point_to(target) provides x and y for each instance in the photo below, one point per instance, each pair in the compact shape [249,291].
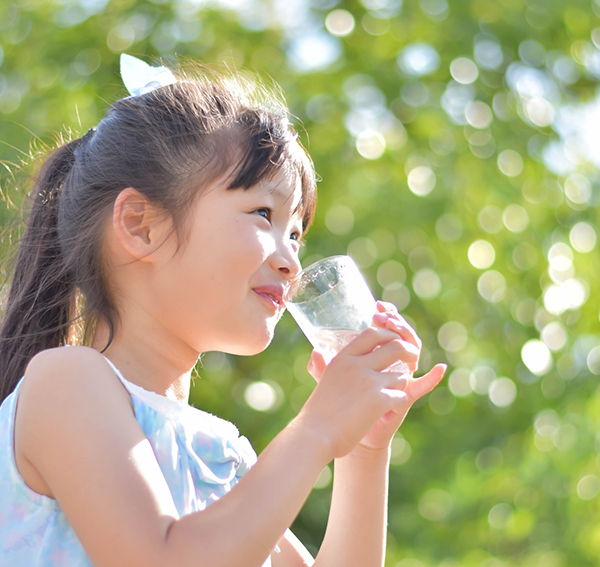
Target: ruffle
[201,456]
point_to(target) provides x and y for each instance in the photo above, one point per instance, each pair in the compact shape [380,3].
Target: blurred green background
[458,144]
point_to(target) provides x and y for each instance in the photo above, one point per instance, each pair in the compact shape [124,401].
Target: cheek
[265,245]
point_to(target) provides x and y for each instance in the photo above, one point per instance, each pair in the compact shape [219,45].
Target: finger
[368,340]
[396,381]
[418,387]
[384,306]
[393,351]
[389,312]
[316,365]
[401,327]
[398,402]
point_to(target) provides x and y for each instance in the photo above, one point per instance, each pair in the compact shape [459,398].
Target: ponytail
[41,301]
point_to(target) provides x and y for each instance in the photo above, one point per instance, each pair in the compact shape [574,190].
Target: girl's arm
[75,427]
[356,530]
[357,525]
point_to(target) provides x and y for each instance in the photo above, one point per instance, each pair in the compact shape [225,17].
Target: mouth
[272,294]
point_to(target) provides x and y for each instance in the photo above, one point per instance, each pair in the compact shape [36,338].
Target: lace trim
[177,410]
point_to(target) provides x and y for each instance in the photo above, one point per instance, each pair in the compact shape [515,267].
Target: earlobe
[136,225]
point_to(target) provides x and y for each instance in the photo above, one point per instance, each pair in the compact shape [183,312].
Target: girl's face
[222,290]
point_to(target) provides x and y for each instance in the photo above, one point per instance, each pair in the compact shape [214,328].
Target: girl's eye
[297,238]
[264,212]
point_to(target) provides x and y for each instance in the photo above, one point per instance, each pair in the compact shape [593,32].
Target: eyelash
[297,236]
[266,210]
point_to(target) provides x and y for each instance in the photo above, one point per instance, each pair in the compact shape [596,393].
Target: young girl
[169,230]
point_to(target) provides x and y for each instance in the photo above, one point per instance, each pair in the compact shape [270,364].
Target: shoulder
[67,384]
[77,368]
[57,377]
[65,358]
[63,382]
[67,396]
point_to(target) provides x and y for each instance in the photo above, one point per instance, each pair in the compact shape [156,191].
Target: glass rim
[310,270]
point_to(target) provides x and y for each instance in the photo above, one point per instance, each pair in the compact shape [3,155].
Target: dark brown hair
[167,144]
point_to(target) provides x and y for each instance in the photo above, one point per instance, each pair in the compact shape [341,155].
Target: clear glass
[332,303]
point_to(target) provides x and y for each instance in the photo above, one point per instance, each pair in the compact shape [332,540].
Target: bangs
[266,156]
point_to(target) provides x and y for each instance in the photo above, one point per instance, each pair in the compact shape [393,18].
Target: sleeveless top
[201,457]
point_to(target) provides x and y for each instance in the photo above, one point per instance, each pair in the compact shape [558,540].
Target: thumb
[418,387]
[316,365]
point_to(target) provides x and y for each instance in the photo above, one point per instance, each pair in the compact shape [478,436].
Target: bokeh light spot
[481,379]
[427,284]
[488,53]
[339,23]
[479,115]
[261,396]
[554,335]
[418,58]
[583,237]
[588,487]
[515,218]
[391,272]
[593,360]
[363,251]
[578,189]
[510,163]
[421,180]
[490,219]
[537,357]
[370,144]
[499,516]
[481,254]
[502,392]
[324,478]
[491,286]
[397,294]
[539,111]
[569,295]
[460,382]
[464,70]
[401,450]
[452,336]
[525,256]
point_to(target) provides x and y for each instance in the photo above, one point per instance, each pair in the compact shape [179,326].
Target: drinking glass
[332,303]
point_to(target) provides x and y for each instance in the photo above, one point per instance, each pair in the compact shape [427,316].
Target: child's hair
[167,144]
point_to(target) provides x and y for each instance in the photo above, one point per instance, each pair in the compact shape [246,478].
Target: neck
[153,360]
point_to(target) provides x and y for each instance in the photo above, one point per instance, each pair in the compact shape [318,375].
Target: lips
[271,293]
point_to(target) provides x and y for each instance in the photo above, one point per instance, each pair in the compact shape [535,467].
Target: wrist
[315,437]
[365,453]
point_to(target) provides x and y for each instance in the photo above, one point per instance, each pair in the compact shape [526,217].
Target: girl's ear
[138,226]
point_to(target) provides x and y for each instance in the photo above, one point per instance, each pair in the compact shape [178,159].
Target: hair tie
[140,78]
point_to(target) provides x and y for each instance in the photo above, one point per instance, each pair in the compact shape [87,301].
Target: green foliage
[439,180]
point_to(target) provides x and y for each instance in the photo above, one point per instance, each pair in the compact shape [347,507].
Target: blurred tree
[458,147]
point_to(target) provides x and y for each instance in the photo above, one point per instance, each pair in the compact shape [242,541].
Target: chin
[258,343]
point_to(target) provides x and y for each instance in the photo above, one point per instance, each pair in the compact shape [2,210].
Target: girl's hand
[354,391]
[381,434]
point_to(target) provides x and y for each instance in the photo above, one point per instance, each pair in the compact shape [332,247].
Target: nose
[286,261]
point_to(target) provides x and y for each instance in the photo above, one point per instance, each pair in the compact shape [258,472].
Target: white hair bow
[140,78]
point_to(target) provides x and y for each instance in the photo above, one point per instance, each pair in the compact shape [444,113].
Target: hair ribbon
[140,78]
